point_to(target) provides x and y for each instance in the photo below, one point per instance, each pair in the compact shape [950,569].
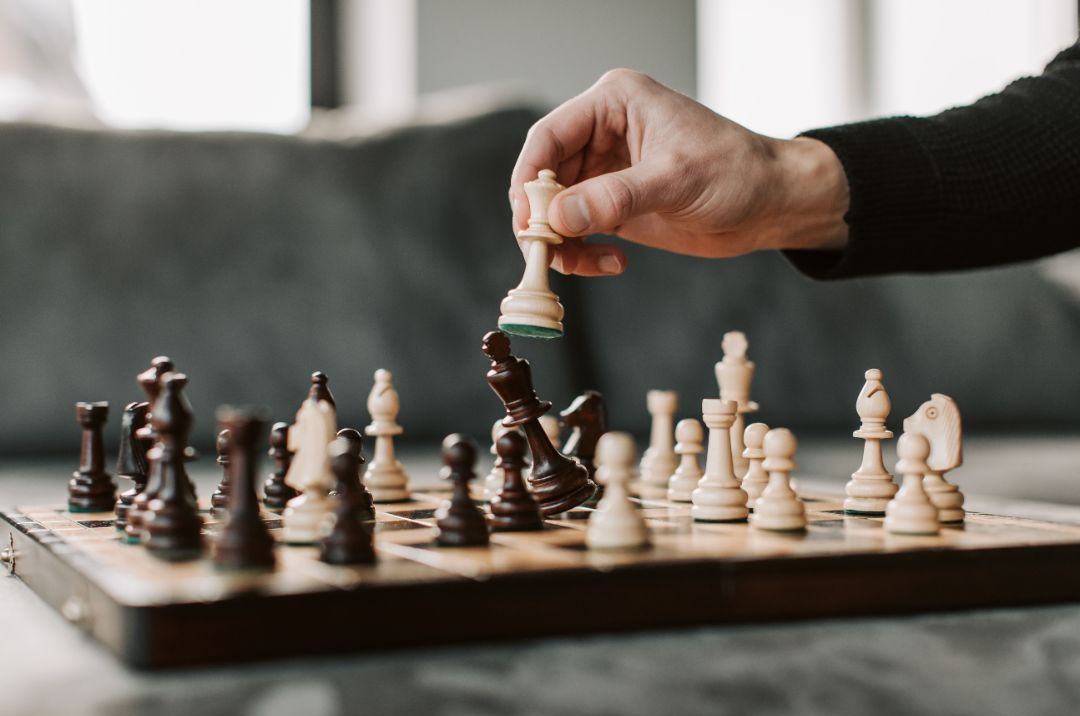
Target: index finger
[560,135]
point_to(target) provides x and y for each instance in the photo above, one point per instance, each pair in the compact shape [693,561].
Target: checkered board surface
[90,544]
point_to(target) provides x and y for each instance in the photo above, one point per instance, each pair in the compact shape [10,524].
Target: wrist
[812,197]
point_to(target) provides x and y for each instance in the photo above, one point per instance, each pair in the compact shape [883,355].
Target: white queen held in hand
[532,308]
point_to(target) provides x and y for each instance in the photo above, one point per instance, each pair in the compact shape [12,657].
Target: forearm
[990,183]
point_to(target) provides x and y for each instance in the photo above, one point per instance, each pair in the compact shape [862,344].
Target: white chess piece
[659,460]
[734,374]
[756,478]
[550,424]
[911,512]
[494,480]
[307,516]
[939,420]
[532,309]
[690,438]
[385,476]
[616,523]
[779,508]
[718,497]
[871,486]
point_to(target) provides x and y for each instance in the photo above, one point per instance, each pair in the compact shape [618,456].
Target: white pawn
[734,374]
[779,508]
[911,512]
[756,478]
[690,438]
[659,460]
[616,523]
[550,424]
[718,497]
[494,480]
[871,486]
[385,476]
[307,515]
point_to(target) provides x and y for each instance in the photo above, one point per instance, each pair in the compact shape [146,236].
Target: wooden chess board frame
[154,614]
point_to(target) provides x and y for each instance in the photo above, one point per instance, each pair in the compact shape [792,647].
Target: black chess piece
[131,461]
[244,541]
[276,493]
[91,489]
[558,482]
[356,444]
[350,538]
[514,509]
[150,382]
[219,500]
[173,528]
[459,521]
[319,388]
[586,417]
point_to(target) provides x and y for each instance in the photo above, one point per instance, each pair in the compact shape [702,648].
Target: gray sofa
[254,260]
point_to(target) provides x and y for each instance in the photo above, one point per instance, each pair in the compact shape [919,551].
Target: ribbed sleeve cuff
[895,210]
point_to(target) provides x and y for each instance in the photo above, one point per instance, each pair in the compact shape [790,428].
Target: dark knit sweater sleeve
[994,182]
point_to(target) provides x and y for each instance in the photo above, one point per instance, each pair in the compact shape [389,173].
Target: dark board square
[416,514]
[395,525]
[97,523]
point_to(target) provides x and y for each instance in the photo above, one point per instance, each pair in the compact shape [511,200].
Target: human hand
[653,166]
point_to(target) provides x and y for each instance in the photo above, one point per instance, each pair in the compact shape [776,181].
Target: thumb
[601,204]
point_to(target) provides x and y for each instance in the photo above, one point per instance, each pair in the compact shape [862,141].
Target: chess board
[155,614]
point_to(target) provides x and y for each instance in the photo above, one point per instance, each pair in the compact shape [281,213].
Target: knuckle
[619,197]
[624,76]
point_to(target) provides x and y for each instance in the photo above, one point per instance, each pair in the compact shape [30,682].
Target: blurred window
[196,64]
[781,66]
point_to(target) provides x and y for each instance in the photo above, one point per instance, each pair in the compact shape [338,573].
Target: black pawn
[350,539]
[459,521]
[514,509]
[319,388]
[356,444]
[150,382]
[244,542]
[131,462]
[173,527]
[277,493]
[219,500]
[91,489]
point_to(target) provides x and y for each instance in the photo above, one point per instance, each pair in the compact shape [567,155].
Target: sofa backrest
[254,260]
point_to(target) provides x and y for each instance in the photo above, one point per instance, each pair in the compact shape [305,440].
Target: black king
[558,482]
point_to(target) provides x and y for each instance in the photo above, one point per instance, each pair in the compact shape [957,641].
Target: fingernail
[575,214]
[609,263]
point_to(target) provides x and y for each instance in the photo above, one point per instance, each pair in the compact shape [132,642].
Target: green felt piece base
[76,508]
[856,513]
[520,329]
